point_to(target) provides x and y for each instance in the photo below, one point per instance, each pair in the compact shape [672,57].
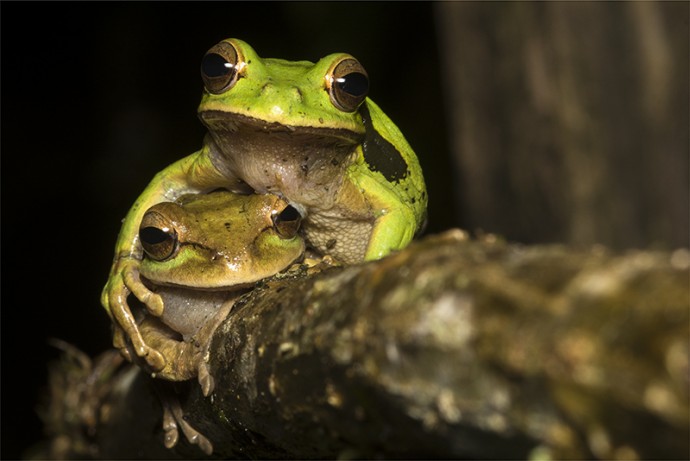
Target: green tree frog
[199,254]
[304,131]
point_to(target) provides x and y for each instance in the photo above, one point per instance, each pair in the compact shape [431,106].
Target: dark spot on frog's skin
[331,244]
[284,160]
[380,154]
[335,162]
[227,225]
[320,120]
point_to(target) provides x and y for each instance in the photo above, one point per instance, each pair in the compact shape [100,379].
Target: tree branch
[450,348]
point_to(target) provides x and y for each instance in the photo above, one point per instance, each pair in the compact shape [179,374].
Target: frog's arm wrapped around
[191,174]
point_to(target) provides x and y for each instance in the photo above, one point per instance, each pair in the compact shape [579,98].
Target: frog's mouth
[219,121]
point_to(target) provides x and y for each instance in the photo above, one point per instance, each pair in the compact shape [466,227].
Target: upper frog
[304,131]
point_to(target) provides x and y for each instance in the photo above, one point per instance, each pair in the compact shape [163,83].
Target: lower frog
[201,253]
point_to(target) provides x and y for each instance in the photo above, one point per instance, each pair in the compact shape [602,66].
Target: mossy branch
[451,348]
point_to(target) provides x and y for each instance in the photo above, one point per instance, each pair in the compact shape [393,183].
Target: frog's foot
[173,418]
[312,263]
[153,358]
[129,329]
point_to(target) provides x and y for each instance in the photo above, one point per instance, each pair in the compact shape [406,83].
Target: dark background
[98,97]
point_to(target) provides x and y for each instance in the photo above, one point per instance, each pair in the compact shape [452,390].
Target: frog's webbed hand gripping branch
[191,174]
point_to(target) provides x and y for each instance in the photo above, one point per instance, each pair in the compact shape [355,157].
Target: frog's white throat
[305,165]
[187,310]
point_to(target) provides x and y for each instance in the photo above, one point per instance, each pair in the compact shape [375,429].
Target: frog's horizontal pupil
[350,85]
[287,222]
[214,65]
[354,83]
[290,213]
[153,235]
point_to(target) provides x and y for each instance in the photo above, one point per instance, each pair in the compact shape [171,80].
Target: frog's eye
[349,85]
[158,237]
[220,68]
[287,222]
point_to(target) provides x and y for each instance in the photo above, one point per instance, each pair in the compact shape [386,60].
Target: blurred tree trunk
[570,120]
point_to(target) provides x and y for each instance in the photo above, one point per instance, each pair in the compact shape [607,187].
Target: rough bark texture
[451,348]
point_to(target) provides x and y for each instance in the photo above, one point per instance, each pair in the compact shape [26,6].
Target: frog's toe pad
[195,437]
[171,437]
[154,359]
[170,428]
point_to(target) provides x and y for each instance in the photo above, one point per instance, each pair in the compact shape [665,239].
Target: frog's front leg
[194,173]
[125,323]
[392,231]
[395,223]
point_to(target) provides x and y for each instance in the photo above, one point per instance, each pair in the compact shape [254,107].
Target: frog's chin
[219,121]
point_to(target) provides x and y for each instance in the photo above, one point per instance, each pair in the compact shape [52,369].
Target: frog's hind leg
[173,420]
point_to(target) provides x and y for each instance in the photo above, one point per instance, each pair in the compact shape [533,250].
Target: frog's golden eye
[287,222]
[348,84]
[158,237]
[220,67]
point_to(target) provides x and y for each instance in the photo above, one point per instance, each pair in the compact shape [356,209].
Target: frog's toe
[154,359]
[205,445]
[206,379]
[153,302]
[192,435]
[120,344]
[124,351]
[196,438]
[170,428]
[171,437]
